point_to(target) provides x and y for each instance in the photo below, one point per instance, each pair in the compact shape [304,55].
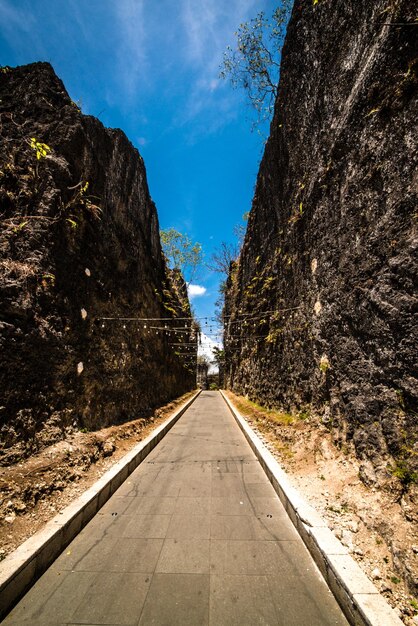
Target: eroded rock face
[72,255]
[326,274]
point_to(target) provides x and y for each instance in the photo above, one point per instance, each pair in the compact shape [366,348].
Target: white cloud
[205,348]
[196,290]
[131,45]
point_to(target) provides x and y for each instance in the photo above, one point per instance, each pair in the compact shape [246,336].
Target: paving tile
[117,505]
[255,476]
[161,488]
[195,535]
[184,557]
[113,598]
[134,555]
[268,506]
[107,525]
[138,482]
[240,601]
[196,488]
[227,485]
[311,608]
[177,599]
[260,490]
[146,526]
[251,528]
[87,553]
[151,505]
[54,598]
[231,506]
[157,487]
[193,506]
[255,558]
[189,527]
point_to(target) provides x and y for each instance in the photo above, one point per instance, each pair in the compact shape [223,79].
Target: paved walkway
[196,535]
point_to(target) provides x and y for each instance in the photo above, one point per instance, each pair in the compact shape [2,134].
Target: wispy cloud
[18,25]
[175,50]
[208,26]
[196,291]
[13,18]
[130,45]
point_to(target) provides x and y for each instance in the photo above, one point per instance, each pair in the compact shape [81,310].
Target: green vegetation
[404,473]
[219,356]
[80,200]
[72,223]
[77,105]
[304,415]
[255,62]
[273,415]
[181,253]
[324,363]
[40,148]
[414,604]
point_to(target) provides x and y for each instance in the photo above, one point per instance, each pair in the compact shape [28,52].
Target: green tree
[182,254]
[219,356]
[254,64]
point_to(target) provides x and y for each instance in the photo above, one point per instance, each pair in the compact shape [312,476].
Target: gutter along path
[196,535]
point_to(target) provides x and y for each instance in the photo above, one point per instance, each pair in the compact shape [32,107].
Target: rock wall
[72,255]
[320,306]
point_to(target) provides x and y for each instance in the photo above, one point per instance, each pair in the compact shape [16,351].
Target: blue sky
[150,67]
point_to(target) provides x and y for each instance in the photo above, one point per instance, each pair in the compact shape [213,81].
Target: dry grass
[252,409]
[17,268]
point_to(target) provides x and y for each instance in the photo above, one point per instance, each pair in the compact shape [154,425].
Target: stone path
[196,535]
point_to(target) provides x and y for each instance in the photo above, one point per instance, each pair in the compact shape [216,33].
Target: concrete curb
[25,565]
[359,599]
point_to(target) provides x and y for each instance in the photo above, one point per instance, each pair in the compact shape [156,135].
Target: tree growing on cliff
[221,259]
[254,64]
[182,253]
[226,253]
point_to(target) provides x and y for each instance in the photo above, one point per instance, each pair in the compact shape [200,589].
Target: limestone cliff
[79,243]
[320,306]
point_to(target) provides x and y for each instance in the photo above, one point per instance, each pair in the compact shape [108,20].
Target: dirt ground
[37,488]
[379,527]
